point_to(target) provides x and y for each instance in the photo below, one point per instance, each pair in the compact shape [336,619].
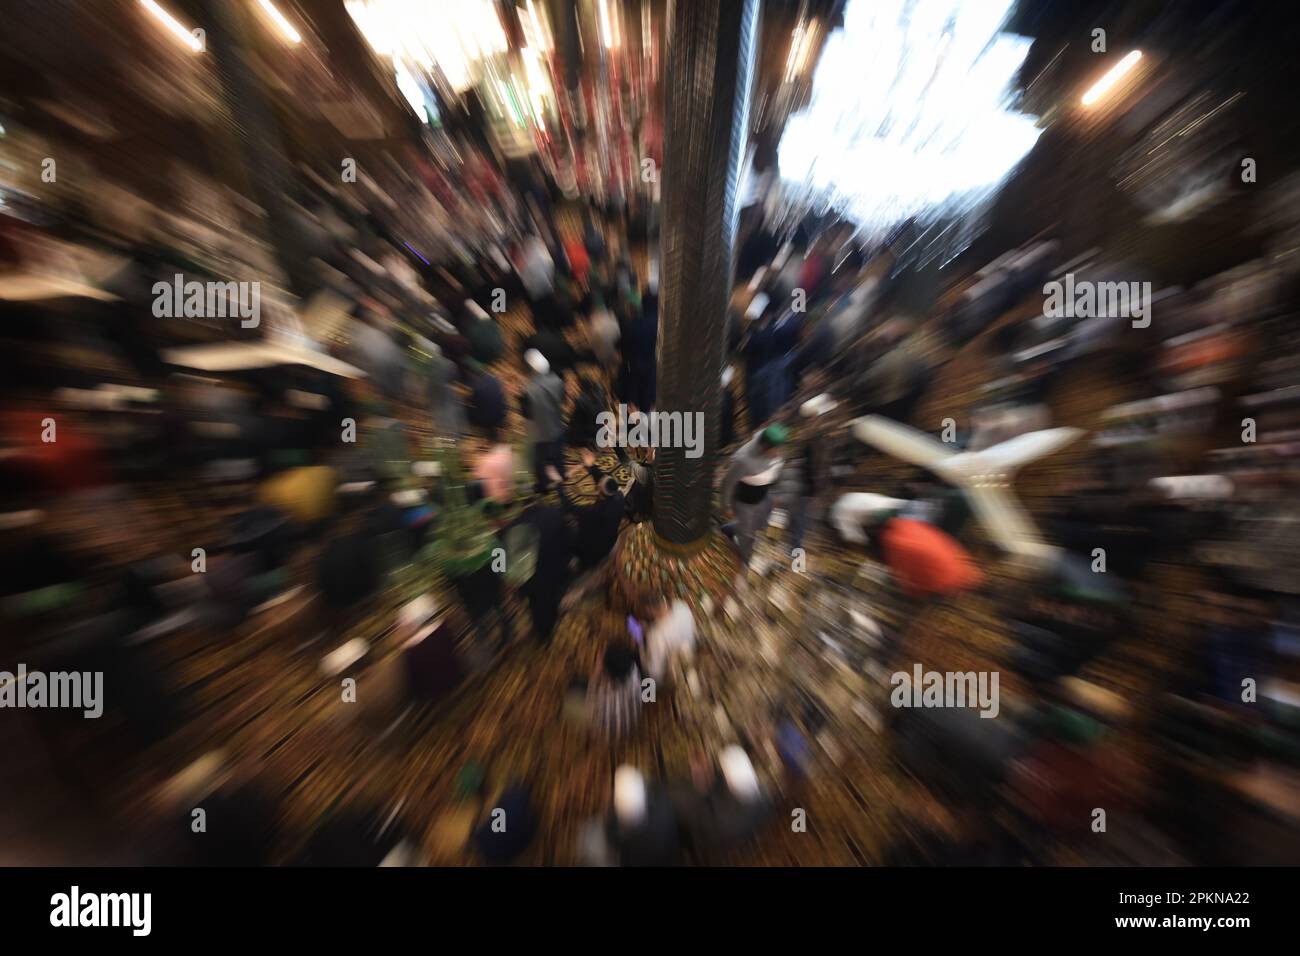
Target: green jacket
[485,342]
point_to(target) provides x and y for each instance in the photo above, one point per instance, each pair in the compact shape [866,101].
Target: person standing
[495,470]
[483,334]
[543,402]
[747,486]
[807,484]
[757,347]
[487,400]
[638,345]
[545,589]
[598,523]
[579,260]
[723,807]
[592,399]
[536,269]
[642,830]
[447,414]
[555,348]
[593,239]
[376,352]
[603,333]
[672,636]
[613,697]
[641,493]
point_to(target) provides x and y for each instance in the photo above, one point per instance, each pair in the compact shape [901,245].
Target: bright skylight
[909,112]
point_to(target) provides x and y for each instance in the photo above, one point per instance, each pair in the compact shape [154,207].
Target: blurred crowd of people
[425,407]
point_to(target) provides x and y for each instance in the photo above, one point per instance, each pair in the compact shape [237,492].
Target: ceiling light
[1113,76]
[174,26]
[290,34]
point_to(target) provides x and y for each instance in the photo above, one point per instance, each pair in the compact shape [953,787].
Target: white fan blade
[1007,523]
[901,441]
[1009,456]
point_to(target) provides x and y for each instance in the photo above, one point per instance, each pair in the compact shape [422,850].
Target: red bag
[926,560]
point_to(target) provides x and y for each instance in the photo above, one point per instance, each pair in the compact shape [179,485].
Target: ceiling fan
[985,476]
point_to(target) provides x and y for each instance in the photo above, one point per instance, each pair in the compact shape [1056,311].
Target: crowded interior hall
[649,433]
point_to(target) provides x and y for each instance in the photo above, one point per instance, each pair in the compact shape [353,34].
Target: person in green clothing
[483,334]
[749,478]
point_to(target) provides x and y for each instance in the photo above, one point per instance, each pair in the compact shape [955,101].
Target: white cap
[757,305]
[476,310]
[818,405]
[738,772]
[629,795]
[537,361]
[652,281]
[728,374]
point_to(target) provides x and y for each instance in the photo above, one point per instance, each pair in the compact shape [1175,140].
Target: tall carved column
[710,68]
[706,90]
[257,134]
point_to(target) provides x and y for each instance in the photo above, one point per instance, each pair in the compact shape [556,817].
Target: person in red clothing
[1074,768]
[816,269]
[925,559]
[579,261]
[50,454]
